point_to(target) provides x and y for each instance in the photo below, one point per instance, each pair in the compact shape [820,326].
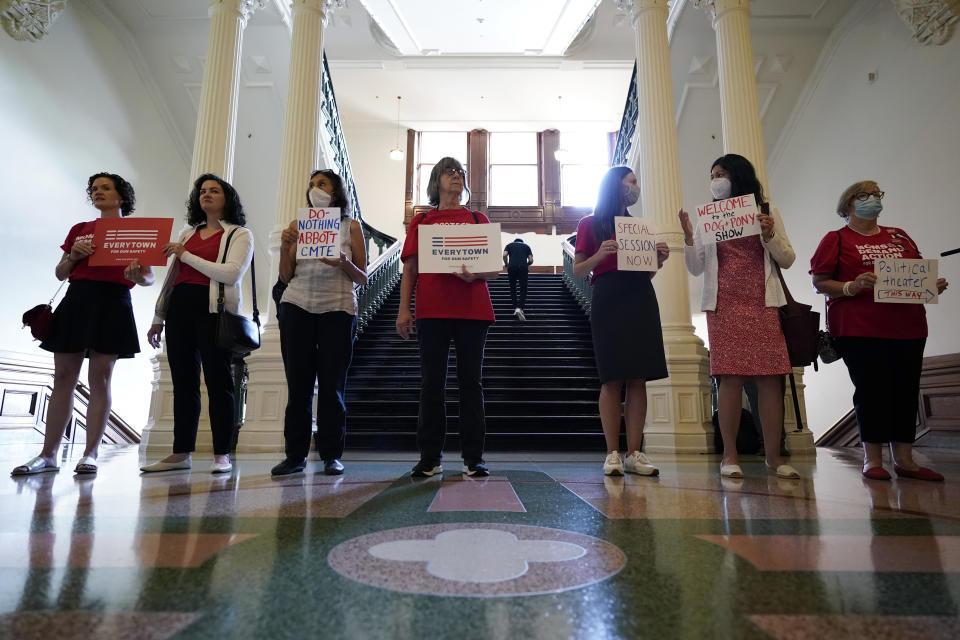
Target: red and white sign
[119,241]
[728,219]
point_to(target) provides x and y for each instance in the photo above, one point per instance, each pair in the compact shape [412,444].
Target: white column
[743,135]
[267,386]
[679,411]
[217,114]
[212,152]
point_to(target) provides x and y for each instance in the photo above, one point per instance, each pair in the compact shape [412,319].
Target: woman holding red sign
[624,321]
[741,295]
[215,250]
[318,324]
[881,344]
[94,321]
[450,307]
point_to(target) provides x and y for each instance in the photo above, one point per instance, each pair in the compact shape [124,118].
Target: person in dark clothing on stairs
[449,307]
[518,257]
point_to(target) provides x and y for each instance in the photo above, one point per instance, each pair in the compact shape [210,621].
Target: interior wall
[71,105]
[900,130]
[380,181]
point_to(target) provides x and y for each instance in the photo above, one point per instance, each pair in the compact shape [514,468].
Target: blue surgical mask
[867,209]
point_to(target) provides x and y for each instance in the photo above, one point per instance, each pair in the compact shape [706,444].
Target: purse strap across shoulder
[253,280]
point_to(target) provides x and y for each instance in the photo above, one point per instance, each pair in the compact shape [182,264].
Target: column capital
[633,8]
[323,7]
[29,20]
[716,8]
[931,21]
[243,8]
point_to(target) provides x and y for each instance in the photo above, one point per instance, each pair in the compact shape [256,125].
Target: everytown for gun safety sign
[447,248]
[120,241]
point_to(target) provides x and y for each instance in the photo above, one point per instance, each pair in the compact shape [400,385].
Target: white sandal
[86,461]
[36,465]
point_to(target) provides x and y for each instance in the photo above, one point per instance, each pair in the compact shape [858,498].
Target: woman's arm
[582,265]
[358,248]
[237,260]
[407,282]
[825,284]
[693,253]
[288,251]
[777,243]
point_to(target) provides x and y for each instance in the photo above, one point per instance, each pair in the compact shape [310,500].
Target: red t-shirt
[859,315]
[82,270]
[444,295]
[207,249]
[588,246]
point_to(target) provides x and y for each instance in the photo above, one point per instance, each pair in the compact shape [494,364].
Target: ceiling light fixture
[397,153]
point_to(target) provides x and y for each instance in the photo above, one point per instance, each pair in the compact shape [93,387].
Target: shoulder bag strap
[253,281]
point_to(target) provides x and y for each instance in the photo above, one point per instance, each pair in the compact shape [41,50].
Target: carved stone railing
[581,288]
[628,124]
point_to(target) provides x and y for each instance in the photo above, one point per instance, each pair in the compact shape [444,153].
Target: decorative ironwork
[628,124]
[29,19]
[580,288]
[383,276]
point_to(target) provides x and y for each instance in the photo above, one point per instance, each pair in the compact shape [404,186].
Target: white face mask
[319,198]
[632,195]
[720,188]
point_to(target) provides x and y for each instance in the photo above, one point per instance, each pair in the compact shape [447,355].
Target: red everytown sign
[119,241]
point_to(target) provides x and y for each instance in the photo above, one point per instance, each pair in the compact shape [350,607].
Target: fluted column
[217,114]
[743,135]
[300,154]
[679,409]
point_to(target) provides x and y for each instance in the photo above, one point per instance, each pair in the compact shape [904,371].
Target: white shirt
[317,287]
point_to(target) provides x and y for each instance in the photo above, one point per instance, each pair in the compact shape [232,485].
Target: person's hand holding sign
[135,272]
[467,276]
[663,252]
[81,249]
[173,248]
[863,282]
[766,226]
[687,227]
[942,285]
[336,262]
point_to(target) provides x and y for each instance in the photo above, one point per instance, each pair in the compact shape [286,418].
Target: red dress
[745,336]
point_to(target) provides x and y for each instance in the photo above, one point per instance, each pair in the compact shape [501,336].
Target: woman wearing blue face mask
[881,344]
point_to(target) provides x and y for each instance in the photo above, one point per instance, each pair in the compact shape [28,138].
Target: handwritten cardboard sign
[119,241]
[318,233]
[447,248]
[636,244]
[728,219]
[905,280]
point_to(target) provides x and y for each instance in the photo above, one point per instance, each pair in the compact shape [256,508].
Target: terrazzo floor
[547,547]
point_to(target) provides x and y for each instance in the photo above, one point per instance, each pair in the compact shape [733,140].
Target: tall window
[514,177]
[433,146]
[585,160]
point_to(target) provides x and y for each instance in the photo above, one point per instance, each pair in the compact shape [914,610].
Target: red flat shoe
[920,473]
[876,473]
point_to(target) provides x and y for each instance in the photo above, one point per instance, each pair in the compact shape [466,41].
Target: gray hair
[433,185]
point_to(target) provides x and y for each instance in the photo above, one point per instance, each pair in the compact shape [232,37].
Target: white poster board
[447,248]
[318,233]
[728,219]
[636,244]
[905,280]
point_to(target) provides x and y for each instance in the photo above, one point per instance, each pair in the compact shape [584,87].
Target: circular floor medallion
[476,559]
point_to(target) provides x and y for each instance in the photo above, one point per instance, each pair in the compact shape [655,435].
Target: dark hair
[339,196]
[433,185]
[232,208]
[743,177]
[609,203]
[128,199]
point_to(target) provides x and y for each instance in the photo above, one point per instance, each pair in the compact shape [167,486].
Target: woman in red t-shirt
[624,321]
[453,307]
[881,344]
[95,321]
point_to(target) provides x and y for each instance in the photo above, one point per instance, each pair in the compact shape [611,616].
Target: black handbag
[801,328]
[825,347]
[236,333]
[40,317]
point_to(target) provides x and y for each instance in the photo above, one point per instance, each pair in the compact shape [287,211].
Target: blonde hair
[848,194]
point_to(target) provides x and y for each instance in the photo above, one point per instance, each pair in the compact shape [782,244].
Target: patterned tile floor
[545,548]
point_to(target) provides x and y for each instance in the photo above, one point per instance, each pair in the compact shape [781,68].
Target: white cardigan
[229,272]
[702,258]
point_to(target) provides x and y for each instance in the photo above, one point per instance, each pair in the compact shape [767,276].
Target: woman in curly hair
[216,249]
[94,321]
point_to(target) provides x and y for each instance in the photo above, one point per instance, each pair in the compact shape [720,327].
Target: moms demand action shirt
[444,295]
[82,270]
[845,254]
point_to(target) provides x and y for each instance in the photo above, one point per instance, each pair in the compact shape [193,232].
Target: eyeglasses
[863,195]
[453,171]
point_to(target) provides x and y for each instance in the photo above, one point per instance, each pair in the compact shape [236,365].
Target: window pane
[580,183]
[514,186]
[586,147]
[439,144]
[513,148]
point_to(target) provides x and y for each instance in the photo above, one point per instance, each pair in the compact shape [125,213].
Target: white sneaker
[637,463]
[517,312]
[521,315]
[613,466]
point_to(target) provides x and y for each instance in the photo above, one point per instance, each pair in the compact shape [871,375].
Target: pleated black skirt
[625,322]
[94,316]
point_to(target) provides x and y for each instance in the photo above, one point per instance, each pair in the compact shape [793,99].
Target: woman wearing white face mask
[741,294]
[318,322]
[624,321]
[881,344]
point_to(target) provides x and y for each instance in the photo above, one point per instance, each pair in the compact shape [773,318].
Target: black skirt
[625,323]
[94,316]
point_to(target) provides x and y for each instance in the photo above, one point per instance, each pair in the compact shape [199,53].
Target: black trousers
[317,350]
[886,379]
[190,344]
[518,287]
[434,336]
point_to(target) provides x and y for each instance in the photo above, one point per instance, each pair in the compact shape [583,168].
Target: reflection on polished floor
[545,548]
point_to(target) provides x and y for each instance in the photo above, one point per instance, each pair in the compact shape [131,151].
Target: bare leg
[635,412]
[730,405]
[770,396]
[98,376]
[610,413]
[66,372]
[872,455]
